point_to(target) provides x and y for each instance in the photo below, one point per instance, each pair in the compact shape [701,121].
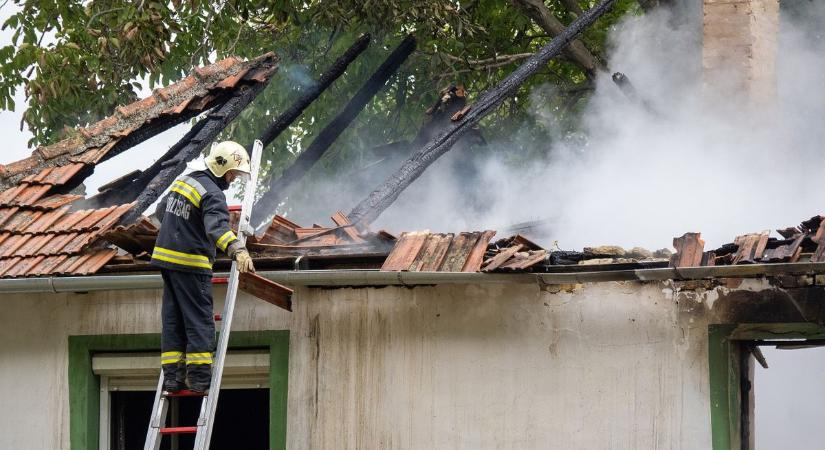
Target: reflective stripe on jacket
[195,224]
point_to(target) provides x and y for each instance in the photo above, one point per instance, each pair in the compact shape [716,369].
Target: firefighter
[195,224]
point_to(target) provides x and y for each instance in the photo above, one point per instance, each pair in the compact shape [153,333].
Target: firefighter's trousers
[188,335]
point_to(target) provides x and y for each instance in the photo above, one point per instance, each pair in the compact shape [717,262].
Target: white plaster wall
[34,352]
[607,366]
[604,366]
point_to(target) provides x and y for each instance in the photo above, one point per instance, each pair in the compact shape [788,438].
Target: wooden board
[266,290]
[341,220]
[502,257]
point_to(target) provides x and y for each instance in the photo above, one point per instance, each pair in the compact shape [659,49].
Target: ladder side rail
[210,402]
[157,418]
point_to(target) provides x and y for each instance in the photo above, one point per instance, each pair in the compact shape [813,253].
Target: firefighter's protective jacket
[195,224]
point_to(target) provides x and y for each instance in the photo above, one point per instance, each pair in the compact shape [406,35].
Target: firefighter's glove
[244,261]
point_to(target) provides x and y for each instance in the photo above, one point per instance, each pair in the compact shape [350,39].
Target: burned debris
[803,243]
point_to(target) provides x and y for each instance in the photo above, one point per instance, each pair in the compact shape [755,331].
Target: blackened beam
[136,184]
[278,187]
[215,122]
[332,73]
[380,199]
[130,188]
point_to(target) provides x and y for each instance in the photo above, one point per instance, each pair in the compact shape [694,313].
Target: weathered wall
[609,365]
[739,47]
[34,352]
[604,365]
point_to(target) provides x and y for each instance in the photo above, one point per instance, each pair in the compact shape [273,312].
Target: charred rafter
[214,123]
[327,136]
[381,198]
[327,78]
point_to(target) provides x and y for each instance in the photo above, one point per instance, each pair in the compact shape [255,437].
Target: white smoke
[702,161]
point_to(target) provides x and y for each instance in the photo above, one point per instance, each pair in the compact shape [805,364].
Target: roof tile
[45,221]
[8,196]
[138,107]
[7,213]
[10,245]
[32,245]
[69,221]
[48,265]
[57,243]
[63,147]
[23,166]
[23,266]
[21,221]
[31,194]
[218,69]
[173,90]
[93,216]
[100,127]
[7,264]
[55,201]
[61,175]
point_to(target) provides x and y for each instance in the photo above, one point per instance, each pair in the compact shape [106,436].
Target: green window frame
[725,354]
[84,385]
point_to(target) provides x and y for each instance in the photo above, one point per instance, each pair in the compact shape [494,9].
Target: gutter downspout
[340,278]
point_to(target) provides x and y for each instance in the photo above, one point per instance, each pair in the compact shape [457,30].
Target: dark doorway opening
[241,420]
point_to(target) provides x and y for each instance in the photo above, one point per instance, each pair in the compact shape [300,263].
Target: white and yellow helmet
[226,156]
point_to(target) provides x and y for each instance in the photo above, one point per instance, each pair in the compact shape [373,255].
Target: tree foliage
[77,60]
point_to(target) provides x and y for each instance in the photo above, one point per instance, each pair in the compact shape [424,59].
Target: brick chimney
[739,47]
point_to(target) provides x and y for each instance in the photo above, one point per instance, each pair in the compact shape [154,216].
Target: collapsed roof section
[43,230]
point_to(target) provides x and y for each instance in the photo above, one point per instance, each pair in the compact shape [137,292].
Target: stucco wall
[34,391]
[607,365]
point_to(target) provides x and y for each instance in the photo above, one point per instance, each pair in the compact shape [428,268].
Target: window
[127,389]
[86,386]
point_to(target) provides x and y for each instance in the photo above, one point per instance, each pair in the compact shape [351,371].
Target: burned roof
[43,231]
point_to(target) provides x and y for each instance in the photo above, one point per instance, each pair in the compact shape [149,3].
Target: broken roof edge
[100,137]
[375,278]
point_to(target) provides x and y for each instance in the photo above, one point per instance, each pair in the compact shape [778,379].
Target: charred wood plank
[278,186]
[340,219]
[502,257]
[332,73]
[193,147]
[380,199]
[266,290]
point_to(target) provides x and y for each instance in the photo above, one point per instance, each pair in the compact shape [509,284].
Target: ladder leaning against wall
[206,418]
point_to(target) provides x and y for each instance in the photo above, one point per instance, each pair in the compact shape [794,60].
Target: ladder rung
[186,393]
[220,280]
[178,430]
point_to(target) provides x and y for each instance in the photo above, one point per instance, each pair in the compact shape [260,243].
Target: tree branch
[537,10]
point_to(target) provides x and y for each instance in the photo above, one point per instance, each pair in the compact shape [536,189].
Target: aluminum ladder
[206,419]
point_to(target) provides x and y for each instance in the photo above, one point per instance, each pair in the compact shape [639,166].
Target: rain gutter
[338,278]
